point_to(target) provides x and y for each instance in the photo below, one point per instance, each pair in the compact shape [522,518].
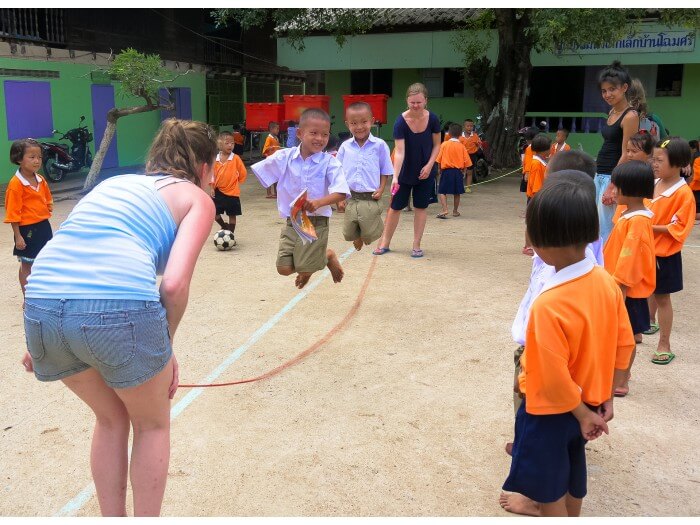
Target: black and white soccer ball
[223,240]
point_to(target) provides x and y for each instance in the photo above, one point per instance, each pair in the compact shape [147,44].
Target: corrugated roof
[411,17]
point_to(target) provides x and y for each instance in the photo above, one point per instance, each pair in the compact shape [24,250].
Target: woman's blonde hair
[180,148]
[637,97]
[415,89]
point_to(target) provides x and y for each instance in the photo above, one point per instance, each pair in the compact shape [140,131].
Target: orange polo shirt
[453,155]
[629,254]
[556,148]
[26,205]
[695,183]
[536,176]
[527,159]
[229,175]
[472,143]
[675,207]
[271,145]
[577,335]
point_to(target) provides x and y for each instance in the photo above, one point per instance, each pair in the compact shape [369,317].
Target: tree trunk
[502,97]
[112,116]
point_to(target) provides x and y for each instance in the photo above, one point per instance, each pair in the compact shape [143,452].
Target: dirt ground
[405,413]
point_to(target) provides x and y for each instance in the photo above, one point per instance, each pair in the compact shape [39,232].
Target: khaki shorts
[363,220]
[307,258]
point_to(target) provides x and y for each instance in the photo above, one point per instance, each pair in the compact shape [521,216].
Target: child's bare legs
[443,202]
[269,193]
[220,221]
[25,269]
[334,265]
[274,190]
[653,307]
[232,223]
[357,243]
[566,506]
[110,439]
[624,389]
[519,504]
[419,218]
[392,221]
[665,313]
[470,177]
[455,212]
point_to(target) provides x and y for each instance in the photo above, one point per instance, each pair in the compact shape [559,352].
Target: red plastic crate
[376,102]
[258,115]
[294,105]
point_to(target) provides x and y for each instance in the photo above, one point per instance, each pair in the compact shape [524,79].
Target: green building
[563,86]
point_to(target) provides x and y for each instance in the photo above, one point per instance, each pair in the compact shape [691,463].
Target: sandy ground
[404,413]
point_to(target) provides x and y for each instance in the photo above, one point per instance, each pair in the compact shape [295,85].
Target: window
[28,109]
[669,80]
[433,81]
[371,82]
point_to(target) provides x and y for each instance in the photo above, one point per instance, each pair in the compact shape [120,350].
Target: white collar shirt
[364,165]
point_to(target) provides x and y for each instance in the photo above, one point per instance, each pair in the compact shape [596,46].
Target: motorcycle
[483,164]
[60,159]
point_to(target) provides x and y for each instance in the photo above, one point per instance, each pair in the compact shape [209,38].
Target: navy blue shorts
[227,204]
[549,457]
[451,182]
[669,274]
[423,194]
[35,236]
[638,311]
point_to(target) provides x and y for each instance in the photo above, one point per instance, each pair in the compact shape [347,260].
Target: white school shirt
[541,273]
[321,174]
[363,165]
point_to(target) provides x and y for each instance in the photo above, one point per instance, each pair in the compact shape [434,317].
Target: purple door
[182,97]
[102,102]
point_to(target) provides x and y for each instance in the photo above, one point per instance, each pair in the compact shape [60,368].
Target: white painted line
[74,505]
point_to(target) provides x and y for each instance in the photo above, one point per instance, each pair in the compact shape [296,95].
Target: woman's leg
[665,311]
[110,440]
[419,218]
[148,406]
[392,221]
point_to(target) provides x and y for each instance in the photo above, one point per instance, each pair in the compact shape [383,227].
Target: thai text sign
[647,42]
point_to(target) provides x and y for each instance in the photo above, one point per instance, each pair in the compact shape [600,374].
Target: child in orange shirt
[472,142]
[695,187]
[559,143]
[453,160]
[674,212]
[272,144]
[526,157]
[578,345]
[229,174]
[28,206]
[238,140]
[535,177]
[629,251]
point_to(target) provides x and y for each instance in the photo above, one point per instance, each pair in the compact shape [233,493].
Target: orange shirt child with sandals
[272,145]
[28,206]
[453,161]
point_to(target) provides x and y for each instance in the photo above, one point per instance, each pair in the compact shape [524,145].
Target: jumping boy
[367,166]
[271,146]
[229,174]
[577,349]
[306,167]
[560,142]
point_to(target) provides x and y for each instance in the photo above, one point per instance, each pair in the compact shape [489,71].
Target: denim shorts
[126,341]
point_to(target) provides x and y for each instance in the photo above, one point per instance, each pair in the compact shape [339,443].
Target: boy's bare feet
[519,504]
[509,448]
[638,339]
[357,243]
[302,279]
[334,266]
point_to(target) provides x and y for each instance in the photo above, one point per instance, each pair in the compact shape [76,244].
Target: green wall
[338,84]
[71,97]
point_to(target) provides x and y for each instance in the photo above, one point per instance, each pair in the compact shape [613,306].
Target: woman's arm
[399,151]
[192,233]
[425,172]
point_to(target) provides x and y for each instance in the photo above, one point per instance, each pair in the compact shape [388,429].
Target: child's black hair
[541,143]
[236,127]
[468,120]
[678,151]
[564,131]
[272,124]
[573,176]
[643,142]
[531,133]
[360,105]
[333,143]
[693,144]
[562,214]
[316,113]
[615,74]
[19,147]
[572,160]
[634,178]
[455,131]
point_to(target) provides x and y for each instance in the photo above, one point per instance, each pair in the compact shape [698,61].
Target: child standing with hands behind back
[453,161]
[306,167]
[28,206]
[577,349]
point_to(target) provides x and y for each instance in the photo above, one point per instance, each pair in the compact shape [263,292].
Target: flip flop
[658,361]
[456,214]
[441,215]
[416,254]
[621,392]
[653,328]
[380,251]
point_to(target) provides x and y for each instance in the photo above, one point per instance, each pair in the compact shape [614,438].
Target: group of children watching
[587,304]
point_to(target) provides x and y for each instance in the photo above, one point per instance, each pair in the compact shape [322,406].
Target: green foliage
[296,24]
[140,75]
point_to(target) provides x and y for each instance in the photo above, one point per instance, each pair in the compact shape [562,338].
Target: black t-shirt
[611,150]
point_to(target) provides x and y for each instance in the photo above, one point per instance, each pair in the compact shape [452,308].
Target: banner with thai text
[647,42]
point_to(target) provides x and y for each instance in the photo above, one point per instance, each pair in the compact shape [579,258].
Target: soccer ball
[223,240]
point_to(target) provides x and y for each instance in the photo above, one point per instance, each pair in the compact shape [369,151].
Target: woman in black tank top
[622,123]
